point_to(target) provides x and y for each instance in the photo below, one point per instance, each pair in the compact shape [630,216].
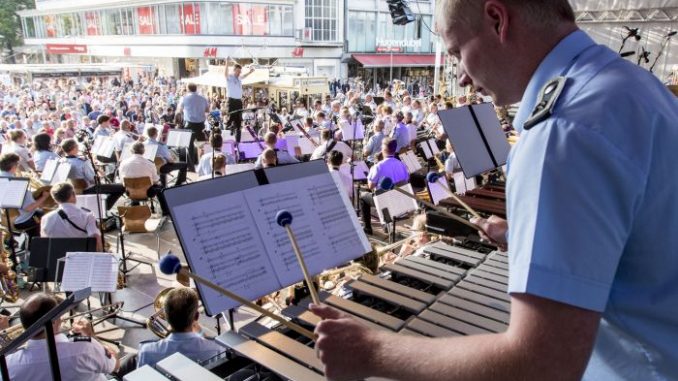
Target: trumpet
[11,333]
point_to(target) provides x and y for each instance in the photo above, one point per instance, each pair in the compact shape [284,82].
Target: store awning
[397,60]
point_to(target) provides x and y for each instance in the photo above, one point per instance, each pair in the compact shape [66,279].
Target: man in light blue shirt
[181,310]
[592,213]
[195,108]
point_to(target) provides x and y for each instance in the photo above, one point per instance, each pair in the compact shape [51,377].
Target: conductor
[234,88]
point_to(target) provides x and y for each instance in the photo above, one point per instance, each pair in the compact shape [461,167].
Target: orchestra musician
[334,161]
[181,310]
[42,151]
[328,144]
[137,166]
[68,220]
[103,127]
[122,137]
[400,132]
[28,219]
[281,157]
[268,158]
[80,357]
[168,159]
[592,213]
[205,165]
[388,167]
[82,169]
[373,146]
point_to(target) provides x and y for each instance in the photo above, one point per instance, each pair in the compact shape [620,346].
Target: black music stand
[45,252]
[45,323]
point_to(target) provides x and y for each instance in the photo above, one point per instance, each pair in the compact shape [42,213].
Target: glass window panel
[172,18]
[288,21]
[29,23]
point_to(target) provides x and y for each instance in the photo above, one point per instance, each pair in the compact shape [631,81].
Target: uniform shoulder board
[85,209]
[547,100]
[147,342]
[80,339]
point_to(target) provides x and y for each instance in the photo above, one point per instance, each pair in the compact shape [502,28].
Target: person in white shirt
[282,157]
[80,359]
[328,144]
[334,162]
[234,91]
[205,164]
[138,166]
[17,145]
[69,221]
[122,137]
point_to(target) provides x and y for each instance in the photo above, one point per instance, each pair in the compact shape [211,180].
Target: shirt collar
[553,65]
[182,336]
[60,338]
[68,205]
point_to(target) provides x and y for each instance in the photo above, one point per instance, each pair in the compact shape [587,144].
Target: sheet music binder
[12,192]
[227,229]
[479,142]
[179,138]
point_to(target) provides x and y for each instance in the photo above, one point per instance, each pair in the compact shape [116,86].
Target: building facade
[181,37]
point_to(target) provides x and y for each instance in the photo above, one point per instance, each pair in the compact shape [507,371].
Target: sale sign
[191,19]
[92,24]
[145,19]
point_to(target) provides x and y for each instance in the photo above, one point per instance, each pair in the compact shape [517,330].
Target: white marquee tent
[655,19]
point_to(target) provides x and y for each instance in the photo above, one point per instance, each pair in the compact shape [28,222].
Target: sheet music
[425,148]
[360,170]
[98,142]
[281,144]
[462,184]
[12,192]
[48,171]
[150,151]
[411,162]
[250,149]
[434,146]
[229,234]
[237,168]
[62,172]
[96,270]
[347,130]
[219,236]
[105,148]
[246,136]
[306,145]
[395,202]
[89,202]
[227,135]
[437,190]
[126,151]
[179,138]
[292,142]
[228,147]
[327,233]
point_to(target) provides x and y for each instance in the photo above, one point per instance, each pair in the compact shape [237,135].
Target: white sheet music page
[348,129]
[218,234]
[306,146]
[178,138]
[360,170]
[126,152]
[250,149]
[107,148]
[12,192]
[434,146]
[48,171]
[437,190]
[324,224]
[427,151]
[89,202]
[237,168]
[62,172]
[149,151]
[395,202]
[96,270]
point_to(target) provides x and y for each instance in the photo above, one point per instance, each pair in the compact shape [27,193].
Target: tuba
[9,290]
[157,322]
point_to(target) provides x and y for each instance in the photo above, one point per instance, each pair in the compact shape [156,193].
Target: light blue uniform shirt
[24,215]
[592,202]
[189,344]
[163,152]
[194,106]
[401,134]
[373,146]
[80,169]
[41,157]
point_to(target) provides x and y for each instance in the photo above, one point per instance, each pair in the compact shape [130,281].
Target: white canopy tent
[655,19]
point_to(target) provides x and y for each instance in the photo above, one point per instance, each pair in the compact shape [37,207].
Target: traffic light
[400,12]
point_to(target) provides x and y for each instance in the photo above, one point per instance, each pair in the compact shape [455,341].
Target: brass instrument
[157,322]
[10,289]
[38,188]
[11,333]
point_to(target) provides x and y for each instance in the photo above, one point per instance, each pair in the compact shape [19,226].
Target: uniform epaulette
[80,339]
[547,100]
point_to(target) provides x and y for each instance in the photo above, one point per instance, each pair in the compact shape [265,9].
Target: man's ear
[497,14]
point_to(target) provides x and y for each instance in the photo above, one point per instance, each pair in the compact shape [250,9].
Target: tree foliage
[10,23]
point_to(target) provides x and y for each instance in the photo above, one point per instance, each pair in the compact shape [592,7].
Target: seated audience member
[69,221]
[181,310]
[80,358]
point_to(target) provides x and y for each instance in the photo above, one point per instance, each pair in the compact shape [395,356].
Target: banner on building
[146,20]
[66,49]
[190,19]
[92,23]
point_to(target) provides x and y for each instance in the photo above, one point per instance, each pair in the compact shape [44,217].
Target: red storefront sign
[298,52]
[145,19]
[191,19]
[259,19]
[66,49]
[92,24]
[389,49]
[210,53]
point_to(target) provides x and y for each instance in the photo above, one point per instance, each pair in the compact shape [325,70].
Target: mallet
[434,177]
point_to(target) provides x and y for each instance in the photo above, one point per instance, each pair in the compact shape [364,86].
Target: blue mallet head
[386,184]
[283,218]
[432,177]
[169,264]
